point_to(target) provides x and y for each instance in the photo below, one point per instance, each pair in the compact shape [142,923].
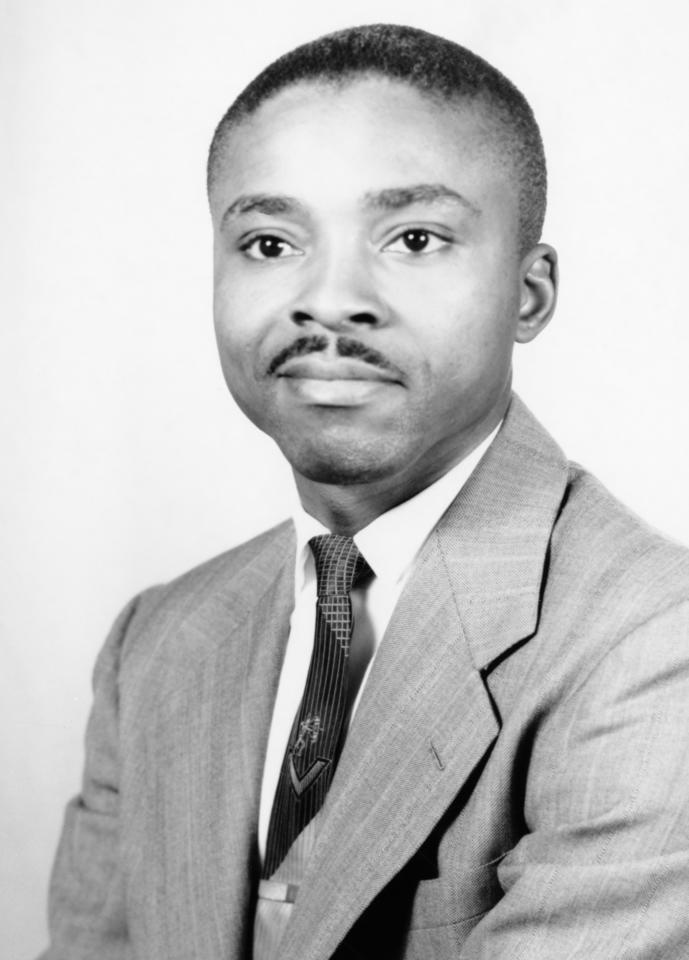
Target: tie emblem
[300,784]
[309,729]
[308,733]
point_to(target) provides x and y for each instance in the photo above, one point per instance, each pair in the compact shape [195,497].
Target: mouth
[334,381]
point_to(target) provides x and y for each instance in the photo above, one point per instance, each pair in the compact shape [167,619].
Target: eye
[416,240]
[267,247]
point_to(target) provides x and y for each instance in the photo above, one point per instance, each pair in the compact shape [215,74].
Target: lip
[337,392]
[334,368]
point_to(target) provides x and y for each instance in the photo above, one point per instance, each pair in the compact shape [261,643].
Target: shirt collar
[392,541]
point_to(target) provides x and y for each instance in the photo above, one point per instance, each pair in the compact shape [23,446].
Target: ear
[539,281]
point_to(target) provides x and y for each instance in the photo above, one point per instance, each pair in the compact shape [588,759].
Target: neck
[347,509]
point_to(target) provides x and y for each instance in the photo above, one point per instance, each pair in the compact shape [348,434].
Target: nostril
[341,319]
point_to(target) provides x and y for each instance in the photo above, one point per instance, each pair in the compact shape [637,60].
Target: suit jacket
[515,783]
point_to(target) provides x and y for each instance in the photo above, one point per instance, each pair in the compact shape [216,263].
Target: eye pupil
[416,240]
[270,246]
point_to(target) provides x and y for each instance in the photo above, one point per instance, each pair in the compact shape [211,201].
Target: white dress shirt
[390,544]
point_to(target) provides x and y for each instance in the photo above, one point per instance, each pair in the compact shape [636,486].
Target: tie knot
[339,565]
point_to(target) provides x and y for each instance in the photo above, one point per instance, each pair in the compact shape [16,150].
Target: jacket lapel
[267,629]
[425,720]
[233,643]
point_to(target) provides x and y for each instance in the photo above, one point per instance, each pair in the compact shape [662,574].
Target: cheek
[248,304]
[449,322]
[237,357]
[462,337]
[238,329]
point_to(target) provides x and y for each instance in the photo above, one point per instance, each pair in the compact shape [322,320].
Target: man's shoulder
[262,554]
[605,552]
[589,555]
[228,585]
[591,532]
[601,524]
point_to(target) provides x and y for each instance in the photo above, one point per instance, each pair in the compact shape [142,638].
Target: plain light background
[124,459]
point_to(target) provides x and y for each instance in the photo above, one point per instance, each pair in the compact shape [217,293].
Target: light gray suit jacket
[515,784]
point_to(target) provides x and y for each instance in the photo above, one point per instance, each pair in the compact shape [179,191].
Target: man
[444,713]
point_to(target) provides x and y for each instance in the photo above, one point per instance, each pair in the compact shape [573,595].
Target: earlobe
[538,291]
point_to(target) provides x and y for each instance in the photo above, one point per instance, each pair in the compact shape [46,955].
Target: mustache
[344,347]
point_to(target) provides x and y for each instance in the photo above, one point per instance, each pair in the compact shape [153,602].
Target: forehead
[325,142]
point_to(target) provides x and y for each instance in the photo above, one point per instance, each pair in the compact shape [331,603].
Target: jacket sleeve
[603,871]
[87,916]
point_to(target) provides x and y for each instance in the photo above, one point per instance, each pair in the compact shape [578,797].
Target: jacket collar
[494,539]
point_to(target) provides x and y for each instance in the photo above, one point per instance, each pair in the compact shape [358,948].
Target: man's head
[376,255]
[438,68]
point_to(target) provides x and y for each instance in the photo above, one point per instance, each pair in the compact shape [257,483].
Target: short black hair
[438,68]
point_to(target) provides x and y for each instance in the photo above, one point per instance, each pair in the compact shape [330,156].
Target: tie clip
[274,890]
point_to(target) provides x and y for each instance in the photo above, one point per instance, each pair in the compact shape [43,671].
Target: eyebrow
[266,203]
[392,198]
[396,198]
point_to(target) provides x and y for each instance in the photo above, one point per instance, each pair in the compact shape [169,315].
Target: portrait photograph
[344,578]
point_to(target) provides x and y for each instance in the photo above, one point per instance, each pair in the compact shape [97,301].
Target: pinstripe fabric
[277,896]
[514,783]
[315,741]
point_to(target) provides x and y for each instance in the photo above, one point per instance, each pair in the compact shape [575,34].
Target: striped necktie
[318,731]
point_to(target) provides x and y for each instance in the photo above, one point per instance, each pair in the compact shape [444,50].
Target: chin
[341,464]
[340,475]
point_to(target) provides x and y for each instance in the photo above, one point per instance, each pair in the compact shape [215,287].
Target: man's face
[367,279]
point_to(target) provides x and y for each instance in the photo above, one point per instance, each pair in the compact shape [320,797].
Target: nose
[339,293]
